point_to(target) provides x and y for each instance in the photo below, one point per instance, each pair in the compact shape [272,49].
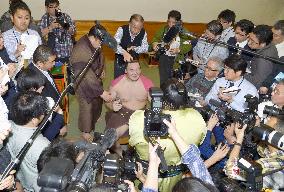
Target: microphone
[171,34]
[107,39]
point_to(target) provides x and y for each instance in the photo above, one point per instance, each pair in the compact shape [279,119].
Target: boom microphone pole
[106,39]
[233,46]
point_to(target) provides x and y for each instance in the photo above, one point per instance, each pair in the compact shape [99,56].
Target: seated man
[26,113]
[227,18]
[243,29]
[130,92]
[260,39]
[201,83]
[189,124]
[271,159]
[234,70]
[205,49]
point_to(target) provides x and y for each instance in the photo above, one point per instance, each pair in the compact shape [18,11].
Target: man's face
[133,71]
[1,41]
[210,35]
[225,23]
[96,43]
[171,22]
[240,35]
[254,43]
[21,20]
[230,74]
[135,27]
[50,9]
[47,65]
[278,37]
[277,95]
[211,71]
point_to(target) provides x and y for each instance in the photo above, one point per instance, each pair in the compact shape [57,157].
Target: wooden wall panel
[83,28]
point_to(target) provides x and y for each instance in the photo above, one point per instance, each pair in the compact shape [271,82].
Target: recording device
[61,19]
[106,38]
[153,118]
[273,111]
[59,175]
[167,39]
[227,115]
[269,135]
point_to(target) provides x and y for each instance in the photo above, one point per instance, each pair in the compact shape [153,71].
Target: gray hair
[219,62]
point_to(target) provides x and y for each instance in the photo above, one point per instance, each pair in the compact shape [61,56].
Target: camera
[273,111]
[59,174]
[227,115]
[153,118]
[61,19]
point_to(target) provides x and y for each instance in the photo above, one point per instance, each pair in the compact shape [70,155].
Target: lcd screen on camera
[155,127]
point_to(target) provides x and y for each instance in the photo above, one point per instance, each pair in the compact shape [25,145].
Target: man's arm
[213,93]
[72,28]
[118,37]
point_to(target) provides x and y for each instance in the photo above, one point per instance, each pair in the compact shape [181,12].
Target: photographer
[58,28]
[177,47]
[271,158]
[190,125]
[234,70]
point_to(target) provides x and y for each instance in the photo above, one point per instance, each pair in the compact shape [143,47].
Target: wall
[193,11]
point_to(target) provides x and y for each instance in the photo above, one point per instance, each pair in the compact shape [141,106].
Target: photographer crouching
[190,125]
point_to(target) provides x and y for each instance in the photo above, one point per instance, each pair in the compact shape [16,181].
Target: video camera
[227,115]
[273,111]
[61,19]
[153,118]
[59,174]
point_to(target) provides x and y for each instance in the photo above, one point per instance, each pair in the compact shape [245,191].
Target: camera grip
[160,153]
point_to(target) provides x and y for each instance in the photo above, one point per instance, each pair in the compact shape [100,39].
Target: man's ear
[262,44]
[239,73]
[12,18]
[40,64]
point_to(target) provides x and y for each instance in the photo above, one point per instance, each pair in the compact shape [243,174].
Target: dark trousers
[119,66]
[89,113]
[165,68]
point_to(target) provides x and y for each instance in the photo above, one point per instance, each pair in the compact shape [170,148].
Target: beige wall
[259,11]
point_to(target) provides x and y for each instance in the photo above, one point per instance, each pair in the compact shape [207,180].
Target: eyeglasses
[240,34]
[210,69]
[53,6]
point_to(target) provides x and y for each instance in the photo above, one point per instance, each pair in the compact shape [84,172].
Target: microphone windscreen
[171,34]
[108,139]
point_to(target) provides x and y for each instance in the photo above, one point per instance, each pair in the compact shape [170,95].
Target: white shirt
[280,49]
[239,102]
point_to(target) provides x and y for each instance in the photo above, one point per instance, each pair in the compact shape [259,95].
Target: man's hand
[130,186]
[155,46]
[229,133]
[116,105]
[4,134]
[240,132]
[153,156]
[212,122]
[171,126]
[106,96]
[20,49]
[221,152]
[3,89]
[127,57]
[139,173]
[263,90]
[12,67]
[131,48]
[53,25]
[225,97]
[63,130]
[8,182]
[174,50]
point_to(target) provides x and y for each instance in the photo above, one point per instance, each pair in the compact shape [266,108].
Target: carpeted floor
[73,132]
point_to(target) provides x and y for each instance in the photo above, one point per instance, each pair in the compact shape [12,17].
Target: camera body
[153,118]
[61,20]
